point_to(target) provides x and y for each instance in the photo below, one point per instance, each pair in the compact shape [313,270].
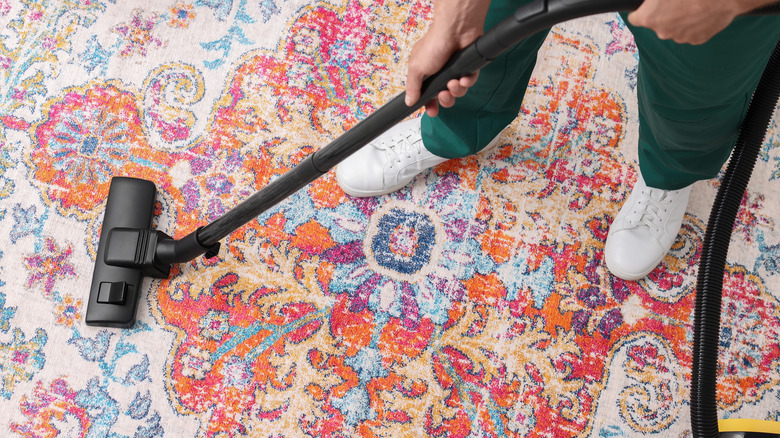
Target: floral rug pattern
[472,303]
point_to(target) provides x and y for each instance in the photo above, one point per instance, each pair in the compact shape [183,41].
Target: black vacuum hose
[709,287]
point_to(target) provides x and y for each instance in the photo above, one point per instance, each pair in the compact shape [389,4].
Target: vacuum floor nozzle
[113,297]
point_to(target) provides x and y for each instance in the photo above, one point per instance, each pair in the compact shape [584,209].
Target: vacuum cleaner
[129,249]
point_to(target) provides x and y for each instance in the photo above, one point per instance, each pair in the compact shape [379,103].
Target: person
[699,63]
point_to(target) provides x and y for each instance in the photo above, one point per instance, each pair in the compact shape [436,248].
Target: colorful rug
[473,303]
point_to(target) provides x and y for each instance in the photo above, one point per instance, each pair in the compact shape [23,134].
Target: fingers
[459,87]
[432,108]
[470,80]
[413,85]
[642,18]
[446,98]
[428,55]
[456,88]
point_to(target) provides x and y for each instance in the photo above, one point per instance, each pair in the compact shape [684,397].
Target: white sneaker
[644,230]
[388,163]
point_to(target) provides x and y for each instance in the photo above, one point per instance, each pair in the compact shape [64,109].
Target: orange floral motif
[89,135]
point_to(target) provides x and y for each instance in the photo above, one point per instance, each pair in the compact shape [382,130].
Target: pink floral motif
[50,266]
[48,406]
[138,34]
[622,39]
[749,218]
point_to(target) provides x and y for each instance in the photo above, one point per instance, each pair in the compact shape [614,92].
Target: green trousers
[692,99]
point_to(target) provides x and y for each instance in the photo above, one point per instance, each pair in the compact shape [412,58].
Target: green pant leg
[492,103]
[692,99]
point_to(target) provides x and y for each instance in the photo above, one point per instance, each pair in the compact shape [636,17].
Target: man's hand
[690,21]
[456,24]
[428,56]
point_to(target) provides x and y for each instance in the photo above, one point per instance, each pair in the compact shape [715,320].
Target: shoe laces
[652,209]
[405,144]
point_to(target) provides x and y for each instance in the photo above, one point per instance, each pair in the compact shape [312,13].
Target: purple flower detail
[579,322]
[610,321]
[592,297]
